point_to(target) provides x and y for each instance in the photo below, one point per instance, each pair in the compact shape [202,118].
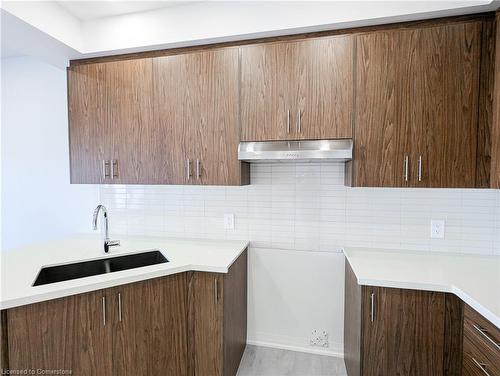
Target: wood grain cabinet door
[321,88]
[67,334]
[149,327]
[266,109]
[495,131]
[196,111]
[297,90]
[402,332]
[134,141]
[213,117]
[379,140]
[88,126]
[217,320]
[417,94]
[444,105]
[111,119]
[171,113]
[205,320]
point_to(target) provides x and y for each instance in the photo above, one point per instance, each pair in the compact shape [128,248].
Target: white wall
[292,292]
[297,216]
[38,202]
[201,22]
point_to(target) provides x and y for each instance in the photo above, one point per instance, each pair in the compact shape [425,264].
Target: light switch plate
[437,228]
[229,221]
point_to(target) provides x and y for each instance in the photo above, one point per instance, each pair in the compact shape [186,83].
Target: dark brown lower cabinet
[184,324]
[149,327]
[402,332]
[61,334]
[4,349]
[481,350]
[389,331]
[135,329]
[217,306]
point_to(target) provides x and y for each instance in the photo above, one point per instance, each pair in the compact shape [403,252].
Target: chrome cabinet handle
[420,168]
[216,290]
[288,121]
[188,169]
[299,125]
[198,171]
[372,307]
[105,169]
[406,168]
[119,307]
[104,310]
[481,366]
[114,168]
[485,335]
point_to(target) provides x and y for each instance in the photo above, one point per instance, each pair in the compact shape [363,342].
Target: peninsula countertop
[473,278]
[19,267]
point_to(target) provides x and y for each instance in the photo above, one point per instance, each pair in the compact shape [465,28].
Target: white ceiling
[90,10]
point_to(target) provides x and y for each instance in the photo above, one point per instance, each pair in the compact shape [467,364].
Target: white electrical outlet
[437,229]
[229,221]
[319,338]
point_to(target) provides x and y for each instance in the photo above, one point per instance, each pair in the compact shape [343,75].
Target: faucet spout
[96,215]
[107,242]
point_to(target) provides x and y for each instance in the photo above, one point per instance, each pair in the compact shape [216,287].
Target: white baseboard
[309,350]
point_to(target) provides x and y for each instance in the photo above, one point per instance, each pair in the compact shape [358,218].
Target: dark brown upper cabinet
[297,90]
[132,140]
[165,120]
[88,124]
[420,101]
[378,146]
[168,112]
[209,132]
[416,115]
[112,134]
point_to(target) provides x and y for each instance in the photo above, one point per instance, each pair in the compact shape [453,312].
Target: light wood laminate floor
[265,361]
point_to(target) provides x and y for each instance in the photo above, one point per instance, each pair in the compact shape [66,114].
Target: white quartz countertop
[474,279]
[20,267]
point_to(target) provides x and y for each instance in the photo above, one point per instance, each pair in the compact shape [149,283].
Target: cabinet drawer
[481,349]
[479,360]
[483,333]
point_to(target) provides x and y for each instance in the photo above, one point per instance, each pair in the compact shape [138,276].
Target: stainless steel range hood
[305,151]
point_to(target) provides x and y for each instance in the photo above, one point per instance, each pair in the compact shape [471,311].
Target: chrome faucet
[107,242]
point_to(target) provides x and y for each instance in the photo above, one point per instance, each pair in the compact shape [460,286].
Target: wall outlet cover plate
[229,221]
[437,228]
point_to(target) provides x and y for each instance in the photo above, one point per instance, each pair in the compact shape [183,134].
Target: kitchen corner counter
[474,279]
[19,267]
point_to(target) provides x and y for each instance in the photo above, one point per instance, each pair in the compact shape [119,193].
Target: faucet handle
[110,243]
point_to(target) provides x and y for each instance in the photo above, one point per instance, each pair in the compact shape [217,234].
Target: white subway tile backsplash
[305,206]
